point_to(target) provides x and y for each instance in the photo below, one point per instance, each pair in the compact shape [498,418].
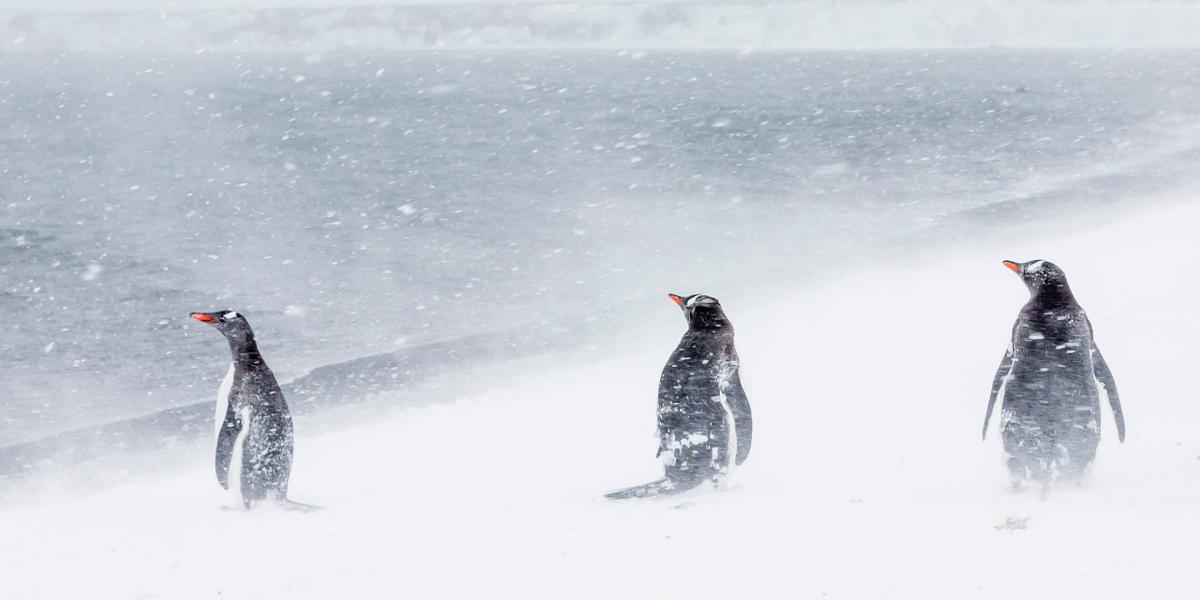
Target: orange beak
[1012,266]
[677,299]
[202,317]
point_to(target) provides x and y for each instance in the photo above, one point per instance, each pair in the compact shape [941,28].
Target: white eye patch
[701,301]
[1035,266]
[230,315]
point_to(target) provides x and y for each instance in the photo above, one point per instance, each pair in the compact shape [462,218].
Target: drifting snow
[867,478]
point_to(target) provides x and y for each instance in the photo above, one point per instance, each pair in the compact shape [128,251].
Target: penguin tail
[662,487]
[298,506]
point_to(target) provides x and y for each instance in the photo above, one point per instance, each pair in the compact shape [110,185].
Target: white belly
[223,400]
[235,461]
[731,427]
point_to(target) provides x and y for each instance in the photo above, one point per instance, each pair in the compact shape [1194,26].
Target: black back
[703,369]
[1048,380]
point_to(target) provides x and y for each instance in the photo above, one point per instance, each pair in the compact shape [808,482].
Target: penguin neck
[1055,294]
[243,347]
[711,324]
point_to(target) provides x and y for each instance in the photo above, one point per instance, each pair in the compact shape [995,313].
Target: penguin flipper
[226,437]
[1105,377]
[662,487]
[742,416]
[998,382]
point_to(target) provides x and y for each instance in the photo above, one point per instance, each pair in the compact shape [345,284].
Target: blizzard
[867,478]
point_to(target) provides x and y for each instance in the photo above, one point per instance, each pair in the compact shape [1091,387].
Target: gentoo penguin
[704,421]
[1049,383]
[253,425]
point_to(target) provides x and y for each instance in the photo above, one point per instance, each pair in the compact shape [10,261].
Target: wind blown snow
[867,479]
[317,25]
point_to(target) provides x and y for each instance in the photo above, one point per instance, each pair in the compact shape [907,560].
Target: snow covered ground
[867,478]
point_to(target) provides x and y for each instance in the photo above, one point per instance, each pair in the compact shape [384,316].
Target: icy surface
[867,478]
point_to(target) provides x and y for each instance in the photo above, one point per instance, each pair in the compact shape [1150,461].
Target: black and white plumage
[253,424]
[1050,382]
[704,418]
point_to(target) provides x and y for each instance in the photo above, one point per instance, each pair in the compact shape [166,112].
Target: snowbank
[867,478]
[638,24]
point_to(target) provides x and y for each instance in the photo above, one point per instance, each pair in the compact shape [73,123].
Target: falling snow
[456,264]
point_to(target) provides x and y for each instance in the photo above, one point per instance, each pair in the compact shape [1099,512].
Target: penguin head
[1040,275]
[229,322]
[702,312]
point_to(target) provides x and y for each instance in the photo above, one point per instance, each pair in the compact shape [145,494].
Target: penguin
[704,418]
[253,425]
[1049,383]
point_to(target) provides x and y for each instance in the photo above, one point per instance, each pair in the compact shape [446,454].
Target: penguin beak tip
[676,298]
[1012,266]
[202,317]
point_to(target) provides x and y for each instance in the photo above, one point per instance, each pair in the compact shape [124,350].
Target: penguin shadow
[284,505]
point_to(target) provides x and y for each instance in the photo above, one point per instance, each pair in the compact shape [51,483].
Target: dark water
[355,204]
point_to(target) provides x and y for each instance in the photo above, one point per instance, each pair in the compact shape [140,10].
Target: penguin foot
[1045,490]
